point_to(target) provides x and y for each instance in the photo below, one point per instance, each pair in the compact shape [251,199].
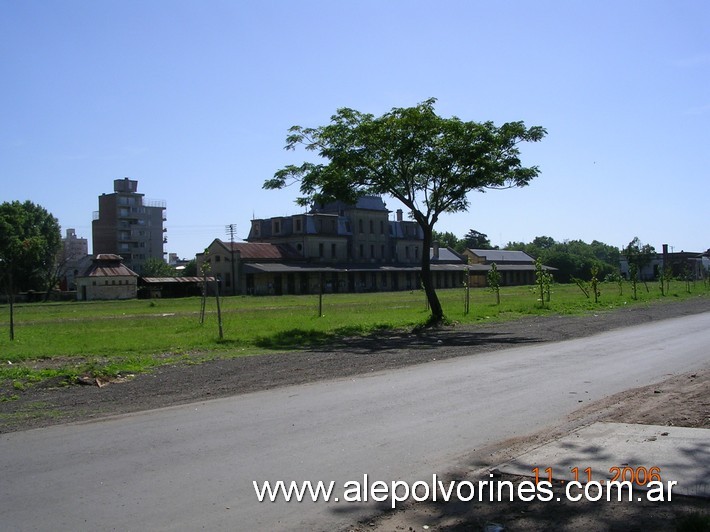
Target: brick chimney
[435,254]
[399,215]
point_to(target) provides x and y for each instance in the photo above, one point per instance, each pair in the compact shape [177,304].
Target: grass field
[108,338]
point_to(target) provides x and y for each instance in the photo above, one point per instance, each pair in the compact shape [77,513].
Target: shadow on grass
[355,339]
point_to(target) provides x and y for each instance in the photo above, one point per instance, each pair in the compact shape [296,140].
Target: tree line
[574,259]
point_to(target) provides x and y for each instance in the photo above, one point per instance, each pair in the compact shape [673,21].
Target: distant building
[256,267]
[177,263]
[515,267]
[128,225]
[692,264]
[69,260]
[107,278]
[159,287]
[334,248]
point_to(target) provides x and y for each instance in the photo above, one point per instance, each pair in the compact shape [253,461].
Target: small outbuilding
[515,267]
[107,278]
[158,287]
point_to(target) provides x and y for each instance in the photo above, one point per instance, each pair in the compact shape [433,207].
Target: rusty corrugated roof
[108,265]
[263,250]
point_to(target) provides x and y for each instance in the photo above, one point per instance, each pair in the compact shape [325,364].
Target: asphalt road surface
[192,467]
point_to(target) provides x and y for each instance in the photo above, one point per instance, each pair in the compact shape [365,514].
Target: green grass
[65,340]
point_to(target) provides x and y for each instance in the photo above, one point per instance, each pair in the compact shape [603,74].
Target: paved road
[191,467]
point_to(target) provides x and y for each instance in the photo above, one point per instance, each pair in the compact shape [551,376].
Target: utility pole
[231,231]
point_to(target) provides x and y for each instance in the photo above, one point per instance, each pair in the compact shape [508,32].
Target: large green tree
[157,268]
[477,240]
[29,241]
[427,162]
[446,239]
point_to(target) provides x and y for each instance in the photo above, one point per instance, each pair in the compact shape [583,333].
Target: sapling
[494,281]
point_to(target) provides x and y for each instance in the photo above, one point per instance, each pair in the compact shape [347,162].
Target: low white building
[107,278]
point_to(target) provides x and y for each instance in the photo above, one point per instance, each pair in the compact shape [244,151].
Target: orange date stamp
[640,476]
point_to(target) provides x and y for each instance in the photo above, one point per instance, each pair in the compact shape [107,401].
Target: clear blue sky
[194,98]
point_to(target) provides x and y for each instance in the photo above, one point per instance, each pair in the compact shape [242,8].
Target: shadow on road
[312,340]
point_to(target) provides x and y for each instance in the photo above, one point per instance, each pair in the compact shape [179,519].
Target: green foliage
[157,268]
[190,269]
[543,280]
[429,163]
[572,258]
[638,254]
[472,240]
[494,279]
[544,242]
[476,240]
[446,239]
[30,239]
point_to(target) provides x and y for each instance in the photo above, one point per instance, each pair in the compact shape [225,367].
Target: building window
[406,251]
[299,225]
[359,226]
[333,249]
[382,227]
[217,258]
[276,226]
[362,251]
[372,227]
[320,250]
[382,251]
[372,251]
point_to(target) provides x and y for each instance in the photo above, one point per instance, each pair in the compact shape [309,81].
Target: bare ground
[682,400]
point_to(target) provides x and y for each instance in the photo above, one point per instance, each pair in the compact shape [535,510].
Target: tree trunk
[437,313]
[12,317]
[11,294]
